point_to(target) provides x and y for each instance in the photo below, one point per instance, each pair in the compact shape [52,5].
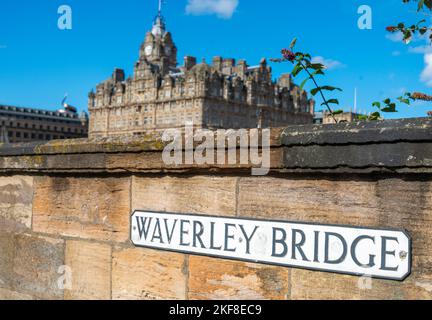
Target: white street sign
[379,253]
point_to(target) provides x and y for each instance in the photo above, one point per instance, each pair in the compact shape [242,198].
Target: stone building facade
[161,95]
[18,124]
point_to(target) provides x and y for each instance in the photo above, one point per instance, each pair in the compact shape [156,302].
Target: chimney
[227,66]
[217,63]
[118,75]
[242,68]
[285,81]
[189,62]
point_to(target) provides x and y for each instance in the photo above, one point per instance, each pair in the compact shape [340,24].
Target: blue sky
[40,63]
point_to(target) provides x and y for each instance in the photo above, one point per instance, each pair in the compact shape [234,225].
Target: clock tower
[158,47]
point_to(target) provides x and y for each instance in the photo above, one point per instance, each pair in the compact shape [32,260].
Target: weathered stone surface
[13,295]
[16,196]
[396,155]
[211,278]
[29,265]
[402,146]
[90,264]
[359,132]
[90,208]
[143,274]
[197,194]
[309,200]
[319,285]
[392,202]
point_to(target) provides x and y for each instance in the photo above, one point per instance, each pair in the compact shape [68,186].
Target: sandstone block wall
[65,214]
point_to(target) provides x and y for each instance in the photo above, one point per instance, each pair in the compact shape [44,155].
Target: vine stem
[318,87]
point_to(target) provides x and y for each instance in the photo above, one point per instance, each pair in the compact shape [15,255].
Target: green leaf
[407,36]
[420,5]
[304,83]
[375,116]
[333,101]
[376,104]
[297,69]
[293,43]
[314,91]
[389,109]
[319,71]
[338,111]
[330,88]
[317,66]
[404,100]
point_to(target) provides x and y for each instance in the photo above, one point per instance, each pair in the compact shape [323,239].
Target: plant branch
[319,89]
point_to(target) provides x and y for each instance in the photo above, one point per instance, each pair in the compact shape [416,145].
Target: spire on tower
[161,2]
[159,23]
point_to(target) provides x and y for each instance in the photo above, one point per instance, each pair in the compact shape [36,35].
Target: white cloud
[420,49]
[329,63]
[395,37]
[426,75]
[222,8]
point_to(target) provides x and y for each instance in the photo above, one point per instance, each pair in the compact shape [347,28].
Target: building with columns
[224,94]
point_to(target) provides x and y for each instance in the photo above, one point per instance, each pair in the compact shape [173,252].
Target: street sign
[379,253]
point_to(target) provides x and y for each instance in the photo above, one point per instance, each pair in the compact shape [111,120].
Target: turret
[158,47]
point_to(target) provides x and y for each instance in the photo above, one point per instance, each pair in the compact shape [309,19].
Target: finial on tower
[159,23]
[161,2]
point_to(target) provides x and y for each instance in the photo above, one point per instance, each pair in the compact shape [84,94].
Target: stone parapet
[388,146]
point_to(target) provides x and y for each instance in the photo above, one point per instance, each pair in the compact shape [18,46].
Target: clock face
[167,51]
[148,50]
